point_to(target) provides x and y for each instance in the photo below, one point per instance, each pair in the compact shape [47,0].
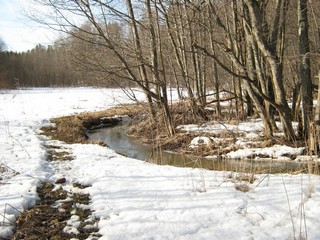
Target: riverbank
[132,199]
[214,139]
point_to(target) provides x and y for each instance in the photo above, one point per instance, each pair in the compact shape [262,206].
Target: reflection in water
[116,139]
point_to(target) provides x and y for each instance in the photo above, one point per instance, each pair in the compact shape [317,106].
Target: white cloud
[17,31]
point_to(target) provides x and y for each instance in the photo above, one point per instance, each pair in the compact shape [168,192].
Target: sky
[19,33]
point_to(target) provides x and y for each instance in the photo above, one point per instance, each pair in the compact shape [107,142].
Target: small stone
[61,180]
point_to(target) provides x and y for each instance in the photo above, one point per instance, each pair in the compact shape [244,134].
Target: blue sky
[19,33]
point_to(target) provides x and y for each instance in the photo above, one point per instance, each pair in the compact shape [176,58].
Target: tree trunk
[314,133]
[161,85]
[142,68]
[275,64]
[305,74]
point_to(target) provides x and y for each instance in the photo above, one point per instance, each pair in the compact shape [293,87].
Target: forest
[264,53]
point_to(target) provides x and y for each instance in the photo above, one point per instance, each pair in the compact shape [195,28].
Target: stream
[116,139]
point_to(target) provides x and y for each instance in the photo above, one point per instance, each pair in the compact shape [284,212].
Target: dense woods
[263,53]
[40,67]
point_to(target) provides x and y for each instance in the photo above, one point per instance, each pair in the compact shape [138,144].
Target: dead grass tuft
[47,221]
[242,180]
[243,187]
[59,156]
[49,217]
[43,221]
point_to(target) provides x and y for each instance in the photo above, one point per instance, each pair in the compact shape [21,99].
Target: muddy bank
[72,129]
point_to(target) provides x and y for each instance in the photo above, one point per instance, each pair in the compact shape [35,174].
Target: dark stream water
[116,139]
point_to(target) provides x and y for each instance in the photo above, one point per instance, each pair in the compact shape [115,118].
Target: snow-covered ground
[137,200]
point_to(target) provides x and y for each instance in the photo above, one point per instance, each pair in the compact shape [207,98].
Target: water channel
[116,138]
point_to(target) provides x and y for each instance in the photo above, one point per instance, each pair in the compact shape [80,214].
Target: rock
[197,141]
[61,180]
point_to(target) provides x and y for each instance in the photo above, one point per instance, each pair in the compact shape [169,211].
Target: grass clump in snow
[79,185]
[53,217]
[242,180]
[43,221]
[60,156]
[50,218]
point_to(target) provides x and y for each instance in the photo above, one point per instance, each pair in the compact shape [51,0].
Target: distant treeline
[51,66]
[262,52]
[40,67]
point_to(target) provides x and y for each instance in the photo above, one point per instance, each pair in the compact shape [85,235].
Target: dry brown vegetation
[72,129]
[47,221]
[48,218]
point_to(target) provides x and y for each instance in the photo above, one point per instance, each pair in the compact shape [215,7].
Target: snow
[275,151]
[250,127]
[200,141]
[136,200]
[249,131]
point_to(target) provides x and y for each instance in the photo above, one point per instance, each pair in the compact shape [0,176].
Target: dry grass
[46,221]
[72,129]
[60,156]
[48,218]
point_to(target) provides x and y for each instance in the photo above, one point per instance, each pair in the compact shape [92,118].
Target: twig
[8,168]
[262,180]
[288,201]
[4,215]
[10,135]
[233,134]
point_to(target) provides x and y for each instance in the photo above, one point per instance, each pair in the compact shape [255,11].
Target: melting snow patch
[200,141]
[273,152]
[72,225]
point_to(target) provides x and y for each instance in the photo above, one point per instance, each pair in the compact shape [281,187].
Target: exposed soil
[48,218]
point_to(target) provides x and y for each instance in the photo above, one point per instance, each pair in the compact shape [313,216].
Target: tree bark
[142,67]
[275,68]
[305,73]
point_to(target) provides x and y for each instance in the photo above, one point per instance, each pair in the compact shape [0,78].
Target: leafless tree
[68,16]
[305,66]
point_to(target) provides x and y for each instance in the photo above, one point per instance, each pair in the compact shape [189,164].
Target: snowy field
[137,200]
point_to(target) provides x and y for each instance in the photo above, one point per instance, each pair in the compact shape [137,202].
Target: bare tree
[305,66]
[197,46]
[68,17]
[260,44]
